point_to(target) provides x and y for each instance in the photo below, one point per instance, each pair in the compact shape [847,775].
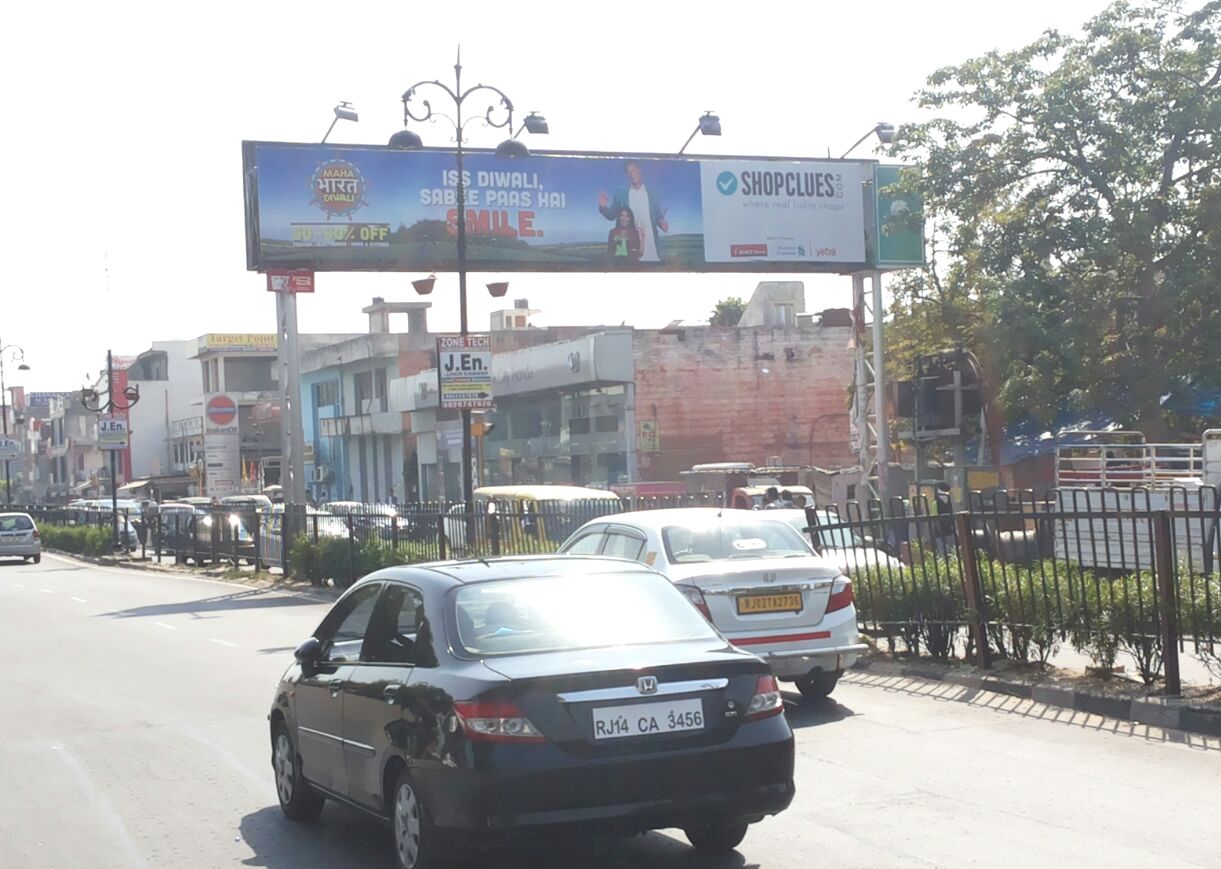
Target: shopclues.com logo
[727,183]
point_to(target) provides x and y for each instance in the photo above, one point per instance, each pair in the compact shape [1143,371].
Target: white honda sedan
[758,581]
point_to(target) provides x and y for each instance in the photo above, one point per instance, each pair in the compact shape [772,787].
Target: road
[134,710]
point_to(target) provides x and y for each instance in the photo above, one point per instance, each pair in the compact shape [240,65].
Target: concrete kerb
[264,579]
[1169,713]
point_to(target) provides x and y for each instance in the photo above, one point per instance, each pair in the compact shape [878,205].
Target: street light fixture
[499,115]
[92,401]
[343,112]
[885,133]
[535,124]
[708,125]
[17,354]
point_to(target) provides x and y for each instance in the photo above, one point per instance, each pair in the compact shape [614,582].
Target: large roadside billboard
[348,208]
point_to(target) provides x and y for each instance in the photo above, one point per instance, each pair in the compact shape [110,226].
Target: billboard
[352,208]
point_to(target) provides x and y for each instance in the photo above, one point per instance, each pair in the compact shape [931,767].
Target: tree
[727,312]
[1074,190]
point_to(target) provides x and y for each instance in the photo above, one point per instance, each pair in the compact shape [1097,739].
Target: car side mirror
[309,652]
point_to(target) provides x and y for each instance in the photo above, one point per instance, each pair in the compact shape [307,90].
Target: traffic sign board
[10,448]
[112,432]
[464,372]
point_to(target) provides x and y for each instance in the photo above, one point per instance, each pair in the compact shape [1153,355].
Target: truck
[1114,479]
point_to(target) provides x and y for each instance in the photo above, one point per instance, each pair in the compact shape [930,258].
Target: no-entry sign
[464,372]
[222,410]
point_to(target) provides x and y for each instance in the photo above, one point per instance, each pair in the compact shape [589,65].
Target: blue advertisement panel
[348,208]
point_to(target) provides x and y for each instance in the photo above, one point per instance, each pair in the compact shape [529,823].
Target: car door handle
[336,687]
[391,693]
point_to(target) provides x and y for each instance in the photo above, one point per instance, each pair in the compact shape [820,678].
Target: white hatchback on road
[19,537]
[758,581]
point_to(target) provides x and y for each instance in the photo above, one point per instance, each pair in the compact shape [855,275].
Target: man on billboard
[645,207]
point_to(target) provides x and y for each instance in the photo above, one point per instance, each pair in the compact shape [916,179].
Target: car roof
[14,513]
[657,519]
[547,493]
[446,574]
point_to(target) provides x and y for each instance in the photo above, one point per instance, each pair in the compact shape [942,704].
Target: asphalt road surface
[134,718]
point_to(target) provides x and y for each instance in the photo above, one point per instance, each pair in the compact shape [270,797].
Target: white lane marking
[18,585]
[102,807]
[79,600]
[224,643]
[164,625]
[47,590]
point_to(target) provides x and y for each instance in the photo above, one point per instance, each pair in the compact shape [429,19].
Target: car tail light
[767,700]
[841,595]
[496,722]
[37,536]
[696,597]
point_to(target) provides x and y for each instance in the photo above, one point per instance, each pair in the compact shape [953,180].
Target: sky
[124,222]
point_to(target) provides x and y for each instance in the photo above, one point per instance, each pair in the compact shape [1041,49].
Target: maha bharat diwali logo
[338,188]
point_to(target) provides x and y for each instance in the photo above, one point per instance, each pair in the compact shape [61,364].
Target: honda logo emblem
[769,577]
[647,684]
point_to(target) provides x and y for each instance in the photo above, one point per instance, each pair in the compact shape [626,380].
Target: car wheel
[818,684]
[37,559]
[298,800]
[415,839]
[717,838]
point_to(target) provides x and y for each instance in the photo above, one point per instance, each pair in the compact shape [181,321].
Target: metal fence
[1012,575]
[1018,576]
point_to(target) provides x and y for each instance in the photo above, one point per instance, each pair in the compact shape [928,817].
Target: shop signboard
[112,432]
[464,372]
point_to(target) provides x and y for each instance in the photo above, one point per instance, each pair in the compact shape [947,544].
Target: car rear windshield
[835,538]
[15,523]
[568,613]
[722,541]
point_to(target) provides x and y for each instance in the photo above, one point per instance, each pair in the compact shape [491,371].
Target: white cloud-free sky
[122,147]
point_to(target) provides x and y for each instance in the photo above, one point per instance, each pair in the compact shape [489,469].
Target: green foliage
[1073,189]
[77,539]
[331,558]
[1032,609]
[727,312]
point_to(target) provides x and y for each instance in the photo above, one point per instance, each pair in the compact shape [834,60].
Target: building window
[784,314]
[578,425]
[606,423]
[326,394]
[379,389]
[362,383]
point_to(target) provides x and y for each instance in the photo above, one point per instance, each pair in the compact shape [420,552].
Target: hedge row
[342,562]
[77,539]
[1033,609]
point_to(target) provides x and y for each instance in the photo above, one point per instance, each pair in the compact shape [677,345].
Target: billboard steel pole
[510,148]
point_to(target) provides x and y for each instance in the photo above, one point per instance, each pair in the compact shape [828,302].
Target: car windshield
[557,613]
[721,541]
[15,523]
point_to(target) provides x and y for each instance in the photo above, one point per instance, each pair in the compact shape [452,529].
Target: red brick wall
[722,395]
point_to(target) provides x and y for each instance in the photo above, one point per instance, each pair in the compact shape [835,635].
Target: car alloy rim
[284,768]
[407,826]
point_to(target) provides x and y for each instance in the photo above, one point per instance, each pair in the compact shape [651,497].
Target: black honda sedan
[465,702]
